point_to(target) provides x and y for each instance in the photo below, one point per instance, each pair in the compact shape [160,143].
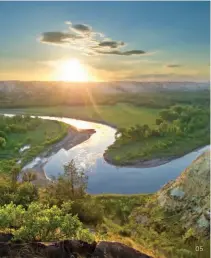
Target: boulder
[69,248]
[106,249]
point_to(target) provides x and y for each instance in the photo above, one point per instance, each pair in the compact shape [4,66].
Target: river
[106,178]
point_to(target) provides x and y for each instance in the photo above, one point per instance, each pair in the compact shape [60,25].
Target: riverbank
[155,162]
[77,136]
[73,138]
[140,163]
[179,130]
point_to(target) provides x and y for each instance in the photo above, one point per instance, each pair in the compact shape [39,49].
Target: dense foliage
[44,214]
[18,193]
[41,222]
[178,130]
[63,210]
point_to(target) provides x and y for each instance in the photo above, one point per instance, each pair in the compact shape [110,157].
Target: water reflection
[105,178]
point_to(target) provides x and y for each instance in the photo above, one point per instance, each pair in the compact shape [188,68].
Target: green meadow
[37,133]
[119,115]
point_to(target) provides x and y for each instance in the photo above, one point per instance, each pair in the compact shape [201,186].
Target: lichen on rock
[190,194]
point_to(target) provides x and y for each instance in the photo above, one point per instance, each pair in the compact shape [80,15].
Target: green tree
[29,176]
[3,135]
[6,191]
[70,186]
[15,171]
[77,179]
[178,109]
[2,142]
[25,194]
[158,121]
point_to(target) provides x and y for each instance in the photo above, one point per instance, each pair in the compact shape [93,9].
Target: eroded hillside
[190,194]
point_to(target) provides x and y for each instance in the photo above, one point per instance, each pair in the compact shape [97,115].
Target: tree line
[175,121]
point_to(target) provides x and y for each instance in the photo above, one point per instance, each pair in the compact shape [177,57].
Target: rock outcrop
[106,249]
[67,249]
[189,194]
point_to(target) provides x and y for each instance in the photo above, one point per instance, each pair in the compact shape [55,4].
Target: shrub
[2,142]
[41,222]
[3,135]
[125,232]
[25,194]
[88,210]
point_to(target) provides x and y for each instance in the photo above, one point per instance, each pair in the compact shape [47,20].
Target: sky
[105,41]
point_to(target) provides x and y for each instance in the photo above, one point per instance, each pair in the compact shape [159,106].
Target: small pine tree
[77,179]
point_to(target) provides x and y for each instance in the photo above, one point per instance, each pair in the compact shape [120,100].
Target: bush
[6,191]
[2,142]
[3,135]
[25,194]
[88,210]
[158,121]
[125,232]
[41,222]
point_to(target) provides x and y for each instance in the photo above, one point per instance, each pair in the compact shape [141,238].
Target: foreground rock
[116,250]
[66,249]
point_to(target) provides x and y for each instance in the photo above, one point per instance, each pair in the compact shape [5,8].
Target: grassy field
[39,138]
[133,151]
[187,131]
[33,137]
[120,115]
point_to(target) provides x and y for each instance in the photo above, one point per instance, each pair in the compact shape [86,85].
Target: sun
[72,70]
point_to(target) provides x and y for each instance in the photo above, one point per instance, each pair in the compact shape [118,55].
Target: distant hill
[24,94]
[107,87]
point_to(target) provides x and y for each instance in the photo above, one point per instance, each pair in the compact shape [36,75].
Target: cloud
[82,37]
[57,37]
[173,65]
[111,44]
[122,53]
[82,28]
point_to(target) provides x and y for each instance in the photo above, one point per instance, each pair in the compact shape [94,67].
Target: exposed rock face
[116,250]
[67,249]
[190,194]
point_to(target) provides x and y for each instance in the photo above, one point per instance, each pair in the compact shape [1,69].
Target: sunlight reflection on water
[106,178]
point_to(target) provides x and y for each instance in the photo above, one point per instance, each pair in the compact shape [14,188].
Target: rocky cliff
[189,195]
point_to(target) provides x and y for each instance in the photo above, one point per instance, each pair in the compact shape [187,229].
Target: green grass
[160,236]
[145,150]
[37,138]
[120,115]
[175,139]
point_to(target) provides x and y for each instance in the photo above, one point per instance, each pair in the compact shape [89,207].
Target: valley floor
[119,115]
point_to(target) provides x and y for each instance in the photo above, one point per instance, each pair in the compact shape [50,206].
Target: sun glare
[72,70]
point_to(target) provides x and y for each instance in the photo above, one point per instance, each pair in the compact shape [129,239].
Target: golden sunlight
[72,70]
